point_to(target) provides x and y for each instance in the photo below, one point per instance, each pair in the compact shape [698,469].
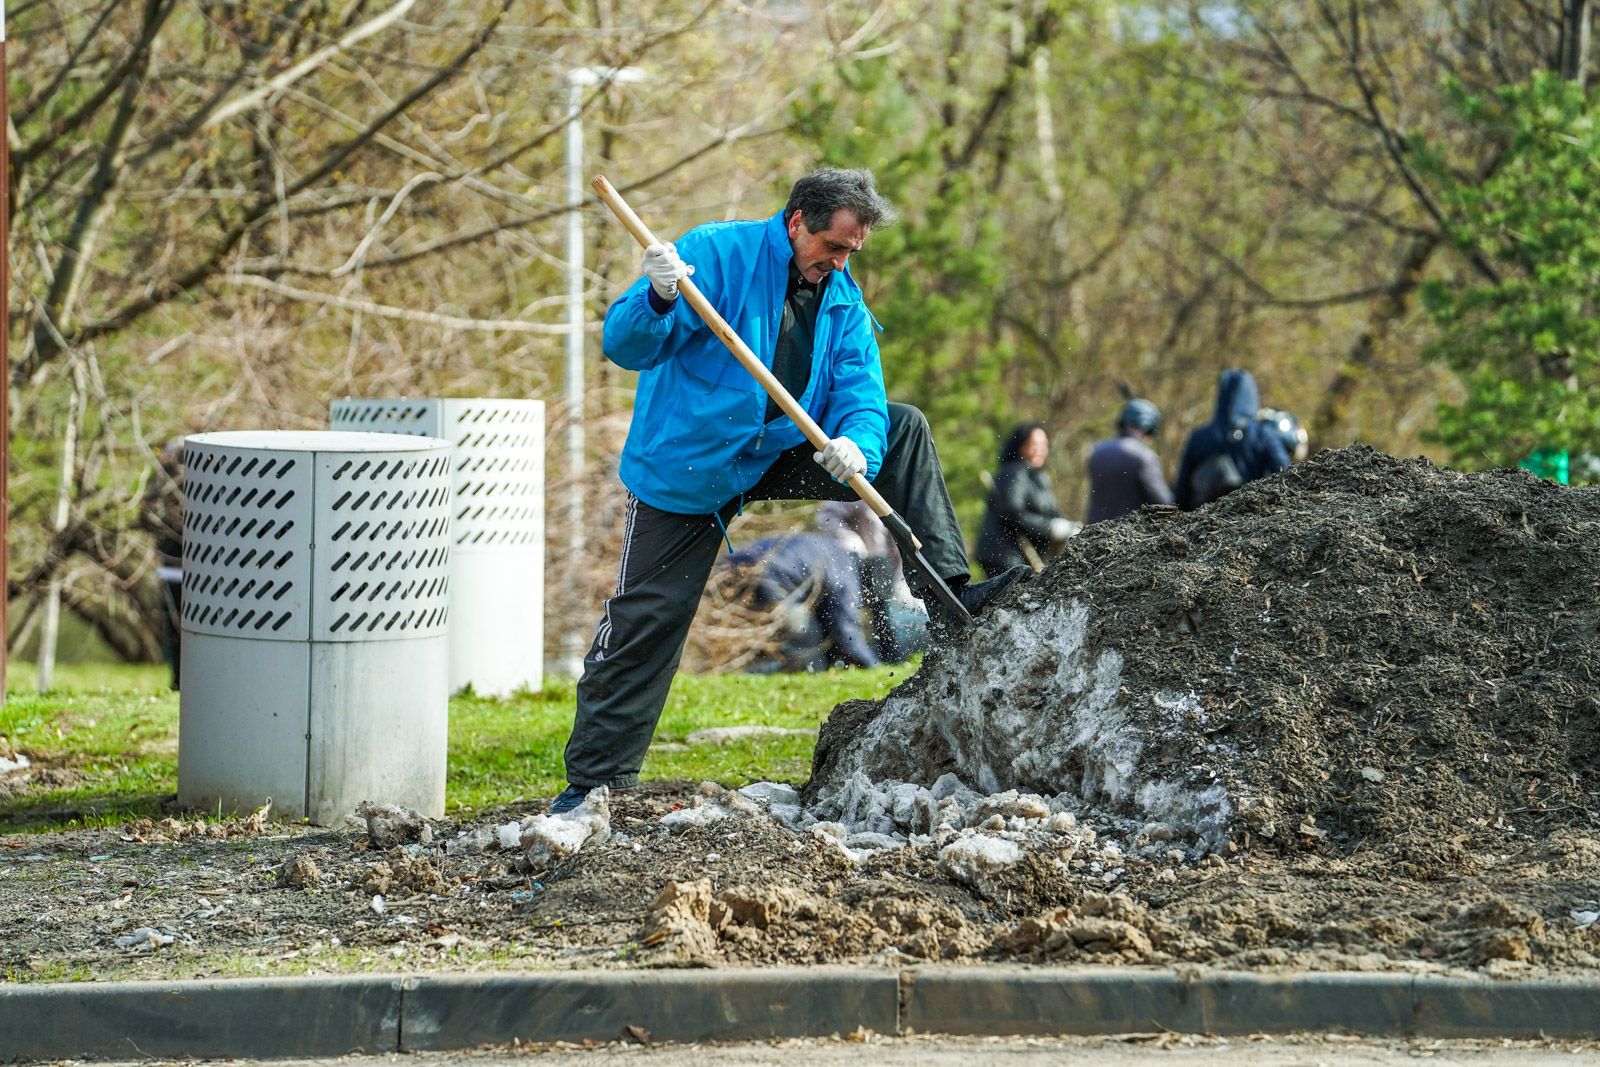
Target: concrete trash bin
[497,555]
[315,610]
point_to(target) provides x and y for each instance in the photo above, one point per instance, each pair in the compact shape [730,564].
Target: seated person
[816,587]
[896,619]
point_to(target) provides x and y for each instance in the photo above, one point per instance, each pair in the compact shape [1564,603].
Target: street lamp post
[578,79]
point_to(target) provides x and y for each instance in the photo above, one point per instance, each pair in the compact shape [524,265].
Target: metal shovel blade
[911,556]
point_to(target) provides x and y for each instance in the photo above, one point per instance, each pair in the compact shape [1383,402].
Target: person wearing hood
[1124,471]
[1021,514]
[1234,448]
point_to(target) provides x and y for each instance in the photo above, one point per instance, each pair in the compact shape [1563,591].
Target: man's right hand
[665,269]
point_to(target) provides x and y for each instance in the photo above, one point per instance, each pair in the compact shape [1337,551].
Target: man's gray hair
[822,192]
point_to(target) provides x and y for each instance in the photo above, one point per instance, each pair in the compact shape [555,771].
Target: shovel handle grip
[741,351]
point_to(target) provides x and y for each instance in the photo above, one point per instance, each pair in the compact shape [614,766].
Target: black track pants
[666,559]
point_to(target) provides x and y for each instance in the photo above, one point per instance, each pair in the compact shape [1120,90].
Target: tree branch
[48,91]
[1392,142]
[263,208]
[376,24]
[188,126]
[430,318]
[53,313]
[137,58]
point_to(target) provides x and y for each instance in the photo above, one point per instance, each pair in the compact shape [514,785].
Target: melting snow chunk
[972,858]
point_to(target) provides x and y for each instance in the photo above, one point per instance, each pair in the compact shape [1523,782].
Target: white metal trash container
[315,605]
[497,559]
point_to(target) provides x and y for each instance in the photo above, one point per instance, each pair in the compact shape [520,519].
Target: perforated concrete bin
[497,559]
[315,604]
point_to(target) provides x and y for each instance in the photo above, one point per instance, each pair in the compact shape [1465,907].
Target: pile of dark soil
[1364,653]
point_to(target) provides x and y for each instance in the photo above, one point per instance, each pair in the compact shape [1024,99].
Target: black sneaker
[974,595]
[570,798]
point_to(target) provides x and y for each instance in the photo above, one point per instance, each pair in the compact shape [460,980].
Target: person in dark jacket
[1124,471]
[1295,440]
[817,583]
[1232,449]
[1022,509]
[895,619]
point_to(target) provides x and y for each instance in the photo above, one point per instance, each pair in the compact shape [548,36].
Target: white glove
[842,459]
[1060,529]
[665,269]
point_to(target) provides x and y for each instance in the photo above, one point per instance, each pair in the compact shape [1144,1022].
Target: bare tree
[1347,92]
[246,209]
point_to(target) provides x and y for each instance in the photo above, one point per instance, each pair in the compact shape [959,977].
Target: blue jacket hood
[1235,430]
[1238,399]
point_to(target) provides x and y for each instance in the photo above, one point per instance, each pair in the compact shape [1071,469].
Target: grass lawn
[108,735]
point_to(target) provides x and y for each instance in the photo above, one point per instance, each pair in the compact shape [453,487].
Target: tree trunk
[51,633]
[1389,309]
[1574,41]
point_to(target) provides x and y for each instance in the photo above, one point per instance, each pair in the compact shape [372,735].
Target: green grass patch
[106,739]
[104,743]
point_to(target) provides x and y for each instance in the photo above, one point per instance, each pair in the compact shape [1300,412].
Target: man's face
[818,254]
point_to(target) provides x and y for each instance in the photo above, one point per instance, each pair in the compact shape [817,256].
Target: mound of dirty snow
[1362,651]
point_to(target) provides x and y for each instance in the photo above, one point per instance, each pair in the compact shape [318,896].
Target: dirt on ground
[1345,718]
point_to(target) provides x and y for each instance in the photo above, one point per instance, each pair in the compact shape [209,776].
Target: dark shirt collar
[797,282]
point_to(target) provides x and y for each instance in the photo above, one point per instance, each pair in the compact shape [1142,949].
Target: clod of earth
[399,869]
[389,825]
[299,872]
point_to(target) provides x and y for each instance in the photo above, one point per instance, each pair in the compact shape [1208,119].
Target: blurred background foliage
[227,212]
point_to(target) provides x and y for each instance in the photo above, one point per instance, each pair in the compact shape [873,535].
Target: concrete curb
[258,1018]
[267,1018]
[672,1005]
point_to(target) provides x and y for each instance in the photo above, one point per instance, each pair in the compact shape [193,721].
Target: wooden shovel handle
[741,351]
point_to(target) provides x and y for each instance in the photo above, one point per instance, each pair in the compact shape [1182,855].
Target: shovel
[910,547]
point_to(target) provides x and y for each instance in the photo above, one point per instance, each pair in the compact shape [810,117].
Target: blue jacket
[1233,429]
[699,437]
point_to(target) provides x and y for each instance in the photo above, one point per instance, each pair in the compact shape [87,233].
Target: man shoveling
[706,439]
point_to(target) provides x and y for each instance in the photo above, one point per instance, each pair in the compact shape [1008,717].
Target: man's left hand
[842,459]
